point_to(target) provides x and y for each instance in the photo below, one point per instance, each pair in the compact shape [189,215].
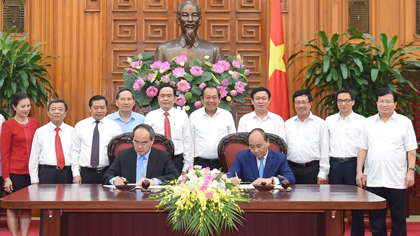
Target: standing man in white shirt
[261,117]
[209,125]
[174,124]
[90,143]
[125,116]
[344,129]
[307,142]
[388,144]
[50,159]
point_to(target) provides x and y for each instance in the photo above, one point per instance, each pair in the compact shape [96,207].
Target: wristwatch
[272,180]
[413,169]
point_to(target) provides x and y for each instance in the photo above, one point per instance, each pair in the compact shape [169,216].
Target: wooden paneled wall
[82,34]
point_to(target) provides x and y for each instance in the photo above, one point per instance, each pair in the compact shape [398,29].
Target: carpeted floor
[413,229]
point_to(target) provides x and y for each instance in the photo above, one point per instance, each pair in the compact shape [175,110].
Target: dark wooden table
[85,209]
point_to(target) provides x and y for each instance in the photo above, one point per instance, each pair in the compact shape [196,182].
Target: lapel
[151,163]
[132,161]
[269,163]
[252,162]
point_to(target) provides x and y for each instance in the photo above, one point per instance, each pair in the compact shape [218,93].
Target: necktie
[167,125]
[94,158]
[261,169]
[59,150]
[140,168]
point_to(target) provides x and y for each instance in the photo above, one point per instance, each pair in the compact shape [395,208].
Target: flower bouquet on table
[202,202]
[145,75]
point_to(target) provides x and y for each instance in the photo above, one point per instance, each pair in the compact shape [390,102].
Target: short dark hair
[385,91]
[210,87]
[260,89]
[301,92]
[346,90]
[146,127]
[17,97]
[57,101]
[259,130]
[123,90]
[181,6]
[97,98]
[166,86]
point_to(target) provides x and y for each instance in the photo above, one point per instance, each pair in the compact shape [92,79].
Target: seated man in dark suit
[141,161]
[260,164]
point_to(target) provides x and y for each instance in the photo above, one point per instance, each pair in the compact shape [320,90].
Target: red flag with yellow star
[277,82]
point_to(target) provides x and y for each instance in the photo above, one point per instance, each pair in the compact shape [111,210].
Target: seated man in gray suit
[141,161]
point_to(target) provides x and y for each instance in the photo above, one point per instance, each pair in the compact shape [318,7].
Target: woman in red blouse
[16,142]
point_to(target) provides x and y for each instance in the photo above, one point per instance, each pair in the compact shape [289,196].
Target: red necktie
[167,125]
[59,150]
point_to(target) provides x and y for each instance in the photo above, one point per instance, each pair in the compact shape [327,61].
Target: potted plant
[22,68]
[358,62]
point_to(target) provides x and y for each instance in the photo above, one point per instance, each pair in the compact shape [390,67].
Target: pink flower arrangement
[218,68]
[138,84]
[209,194]
[178,72]
[235,75]
[202,86]
[183,86]
[130,71]
[225,64]
[165,79]
[225,82]
[240,86]
[180,60]
[134,64]
[223,91]
[180,100]
[233,93]
[150,76]
[196,71]
[151,91]
[197,104]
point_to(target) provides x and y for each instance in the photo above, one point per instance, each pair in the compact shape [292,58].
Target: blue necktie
[261,169]
[140,168]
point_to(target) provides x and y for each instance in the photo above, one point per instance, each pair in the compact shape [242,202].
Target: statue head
[189,18]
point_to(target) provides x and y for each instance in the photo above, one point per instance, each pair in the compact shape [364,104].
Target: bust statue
[189,18]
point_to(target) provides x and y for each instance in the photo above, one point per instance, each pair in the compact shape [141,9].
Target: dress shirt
[387,145]
[271,123]
[276,180]
[1,122]
[82,142]
[43,150]
[344,134]
[308,141]
[207,131]
[180,131]
[134,120]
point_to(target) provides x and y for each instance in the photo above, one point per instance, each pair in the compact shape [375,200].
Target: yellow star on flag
[276,58]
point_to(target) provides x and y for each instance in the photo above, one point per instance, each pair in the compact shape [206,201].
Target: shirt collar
[52,126]
[145,156]
[264,157]
[349,116]
[119,116]
[183,41]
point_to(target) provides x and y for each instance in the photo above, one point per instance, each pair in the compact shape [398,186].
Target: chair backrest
[234,143]
[125,140]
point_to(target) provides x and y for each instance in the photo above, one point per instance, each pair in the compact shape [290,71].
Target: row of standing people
[311,141]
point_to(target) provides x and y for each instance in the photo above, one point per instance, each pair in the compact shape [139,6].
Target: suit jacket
[245,165]
[159,166]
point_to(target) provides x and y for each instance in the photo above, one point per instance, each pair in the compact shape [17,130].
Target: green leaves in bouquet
[23,68]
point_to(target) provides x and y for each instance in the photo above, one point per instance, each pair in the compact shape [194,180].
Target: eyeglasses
[137,143]
[301,102]
[346,101]
[385,102]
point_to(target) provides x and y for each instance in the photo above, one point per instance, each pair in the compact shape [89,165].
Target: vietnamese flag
[277,82]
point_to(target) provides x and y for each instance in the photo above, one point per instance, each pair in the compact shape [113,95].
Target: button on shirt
[271,123]
[207,131]
[308,141]
[134,120]
[43,148]
[180,131]
[82,142]
[344,134]
[387,145]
